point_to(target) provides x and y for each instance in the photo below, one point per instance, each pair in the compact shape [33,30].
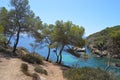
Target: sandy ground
[10,70]
[54,71]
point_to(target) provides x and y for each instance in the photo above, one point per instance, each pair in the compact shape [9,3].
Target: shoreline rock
[103,53]
[117,64]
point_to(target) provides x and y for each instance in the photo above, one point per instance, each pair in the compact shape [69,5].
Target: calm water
[69,59]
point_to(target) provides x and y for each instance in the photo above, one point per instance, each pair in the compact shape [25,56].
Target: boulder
[117,64]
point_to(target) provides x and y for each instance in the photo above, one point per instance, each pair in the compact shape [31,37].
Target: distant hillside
[106,41]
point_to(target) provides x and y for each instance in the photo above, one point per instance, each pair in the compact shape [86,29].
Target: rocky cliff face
[105,42]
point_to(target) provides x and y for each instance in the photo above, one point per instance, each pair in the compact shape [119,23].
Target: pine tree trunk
[60,53]
[48,54]
[9,39]
[17,40]
[57,59]
[57,56]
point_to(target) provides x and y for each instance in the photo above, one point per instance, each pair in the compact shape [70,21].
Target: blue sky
[93,15]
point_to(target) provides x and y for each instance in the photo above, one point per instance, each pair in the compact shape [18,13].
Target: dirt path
[54,71]
[10,70]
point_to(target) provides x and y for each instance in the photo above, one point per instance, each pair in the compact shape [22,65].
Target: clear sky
[93,15]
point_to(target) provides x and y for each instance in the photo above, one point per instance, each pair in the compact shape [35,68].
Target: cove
[69,59]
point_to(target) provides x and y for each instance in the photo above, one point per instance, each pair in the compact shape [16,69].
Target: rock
[104,53]
[98,56]
[79,49]
[116,56]
[117,64]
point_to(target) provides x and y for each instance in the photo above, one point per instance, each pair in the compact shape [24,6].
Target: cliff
[105,42]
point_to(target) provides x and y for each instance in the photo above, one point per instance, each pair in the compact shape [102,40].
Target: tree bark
[57,56]
[60,53]
[48,54]
[9,39]
[17,40]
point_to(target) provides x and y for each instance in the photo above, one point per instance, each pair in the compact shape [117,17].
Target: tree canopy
[59,35]
[20,19]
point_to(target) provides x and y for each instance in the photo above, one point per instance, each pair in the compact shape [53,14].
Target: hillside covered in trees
[106,42]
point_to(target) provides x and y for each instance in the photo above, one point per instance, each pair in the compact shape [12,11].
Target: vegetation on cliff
[106,41]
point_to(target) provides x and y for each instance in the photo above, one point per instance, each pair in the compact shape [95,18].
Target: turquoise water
[69,59]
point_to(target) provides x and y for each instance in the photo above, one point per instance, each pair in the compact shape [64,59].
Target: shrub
[21,51]
[31,58]
[87,74]
[35,76]
[39,69]
[24,67]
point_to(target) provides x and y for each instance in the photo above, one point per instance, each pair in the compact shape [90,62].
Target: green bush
[87,74]
[31,58]
[24,67]
[35,76]
[39,69]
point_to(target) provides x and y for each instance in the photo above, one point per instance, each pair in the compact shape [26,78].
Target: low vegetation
[39,69]
[24,69]
[35,76]
[32,58]
[87,74]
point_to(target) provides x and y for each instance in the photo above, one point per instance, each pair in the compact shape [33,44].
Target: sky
[93,15]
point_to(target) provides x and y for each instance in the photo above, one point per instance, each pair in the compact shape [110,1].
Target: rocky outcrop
[77,49]
[117,64]
[97,52]
[105,42]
